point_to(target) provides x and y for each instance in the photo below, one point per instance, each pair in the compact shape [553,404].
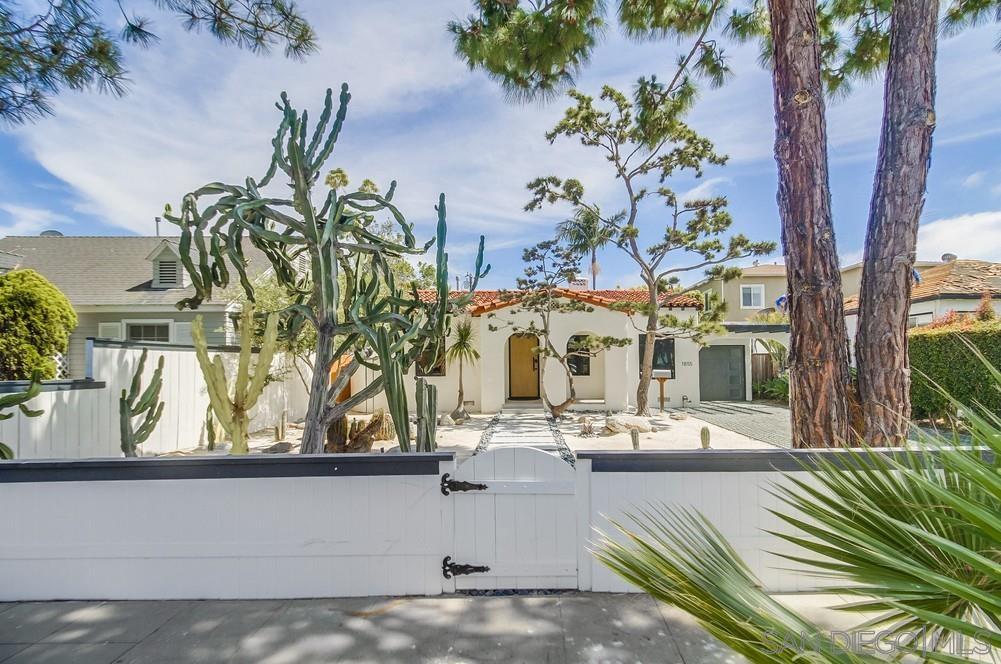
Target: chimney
[949,258]
[577,284]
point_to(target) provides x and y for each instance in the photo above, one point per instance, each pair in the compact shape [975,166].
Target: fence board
[84,423]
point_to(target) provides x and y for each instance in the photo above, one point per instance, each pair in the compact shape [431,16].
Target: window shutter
[111,331]
[182,334]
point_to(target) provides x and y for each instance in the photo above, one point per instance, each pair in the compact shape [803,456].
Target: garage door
[721,373]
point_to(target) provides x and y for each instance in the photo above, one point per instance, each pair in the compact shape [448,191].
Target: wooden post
[661,381]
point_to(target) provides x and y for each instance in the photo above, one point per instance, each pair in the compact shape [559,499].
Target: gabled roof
[958,279]
[105,270]
[485,301]
[170,244]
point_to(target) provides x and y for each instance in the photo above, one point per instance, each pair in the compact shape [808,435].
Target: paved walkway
[560,629]
[530,429]
[765,422]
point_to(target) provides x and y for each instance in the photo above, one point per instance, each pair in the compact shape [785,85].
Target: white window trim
[761,286]
[149,321]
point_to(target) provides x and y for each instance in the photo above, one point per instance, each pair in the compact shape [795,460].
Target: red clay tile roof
[962,278]
[490,300]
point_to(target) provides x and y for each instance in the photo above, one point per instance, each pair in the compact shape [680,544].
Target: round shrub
[939,356]
[36,320]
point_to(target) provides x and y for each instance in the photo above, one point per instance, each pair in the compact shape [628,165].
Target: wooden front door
[523,366]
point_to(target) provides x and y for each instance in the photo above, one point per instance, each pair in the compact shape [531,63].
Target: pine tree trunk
[891,238]
[646,358]
[818,353]
[315,428]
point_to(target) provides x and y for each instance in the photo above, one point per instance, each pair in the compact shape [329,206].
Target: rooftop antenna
[157,220]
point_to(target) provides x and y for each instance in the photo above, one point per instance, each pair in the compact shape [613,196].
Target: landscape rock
[278,448]
[446,420]
[678,416]
[626,423]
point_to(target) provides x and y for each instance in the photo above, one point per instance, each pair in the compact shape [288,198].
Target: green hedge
[36,320]
[942,356]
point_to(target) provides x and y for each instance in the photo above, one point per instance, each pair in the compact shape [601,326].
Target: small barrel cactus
[704,435]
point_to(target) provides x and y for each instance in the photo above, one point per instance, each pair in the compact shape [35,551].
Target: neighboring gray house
[122,288]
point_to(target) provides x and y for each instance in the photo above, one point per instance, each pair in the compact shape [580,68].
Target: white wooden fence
[81,417]
[269,526]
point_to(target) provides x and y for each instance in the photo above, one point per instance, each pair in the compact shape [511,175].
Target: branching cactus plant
[427,411]
[324,252]
[20,401]
[232,406]
[138,402]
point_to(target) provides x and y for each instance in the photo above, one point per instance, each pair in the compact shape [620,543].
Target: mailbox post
[662,375]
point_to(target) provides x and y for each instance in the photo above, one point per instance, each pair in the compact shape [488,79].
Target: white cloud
[974,180]
[706,189]
[975,236]
[24,220]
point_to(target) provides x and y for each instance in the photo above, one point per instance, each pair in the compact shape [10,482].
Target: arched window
[580,365]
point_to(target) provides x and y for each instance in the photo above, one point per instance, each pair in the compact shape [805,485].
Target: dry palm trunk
[818,353]
[897,199]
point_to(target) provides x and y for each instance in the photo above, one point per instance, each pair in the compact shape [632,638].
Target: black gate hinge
[448,485]
[450,569]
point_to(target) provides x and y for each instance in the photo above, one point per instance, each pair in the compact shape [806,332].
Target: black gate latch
[450,569]
[448,485]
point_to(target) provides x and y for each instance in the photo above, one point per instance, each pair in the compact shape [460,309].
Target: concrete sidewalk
[563,629]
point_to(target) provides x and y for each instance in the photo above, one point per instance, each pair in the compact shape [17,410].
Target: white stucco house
[507,373]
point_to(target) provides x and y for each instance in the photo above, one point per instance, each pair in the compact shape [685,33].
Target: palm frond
[915,534]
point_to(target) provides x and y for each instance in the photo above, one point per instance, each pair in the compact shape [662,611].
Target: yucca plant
[462,350]
[916,536]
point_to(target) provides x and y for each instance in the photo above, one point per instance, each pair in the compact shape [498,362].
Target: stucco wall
[615,374]
[775,287]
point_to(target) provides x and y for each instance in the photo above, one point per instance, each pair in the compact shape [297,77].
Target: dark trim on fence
[223,467]
[756,327]
[719,461]
[10,386]
[111,343]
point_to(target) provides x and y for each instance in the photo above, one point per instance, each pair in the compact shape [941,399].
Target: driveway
[560,629]
[766,422]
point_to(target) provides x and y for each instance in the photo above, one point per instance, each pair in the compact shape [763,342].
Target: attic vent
[167,274]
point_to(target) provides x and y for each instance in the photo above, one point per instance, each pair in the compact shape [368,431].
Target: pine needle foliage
[67,44]
[535,49]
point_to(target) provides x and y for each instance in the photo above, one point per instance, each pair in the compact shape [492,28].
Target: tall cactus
[136,402]
[232,406]
[20,400]
[427,413]
[348,294]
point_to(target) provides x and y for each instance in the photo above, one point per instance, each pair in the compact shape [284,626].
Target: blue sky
[198,111]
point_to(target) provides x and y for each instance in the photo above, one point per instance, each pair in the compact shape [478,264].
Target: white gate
[512,518]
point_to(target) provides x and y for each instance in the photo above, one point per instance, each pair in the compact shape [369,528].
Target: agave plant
[915,536]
